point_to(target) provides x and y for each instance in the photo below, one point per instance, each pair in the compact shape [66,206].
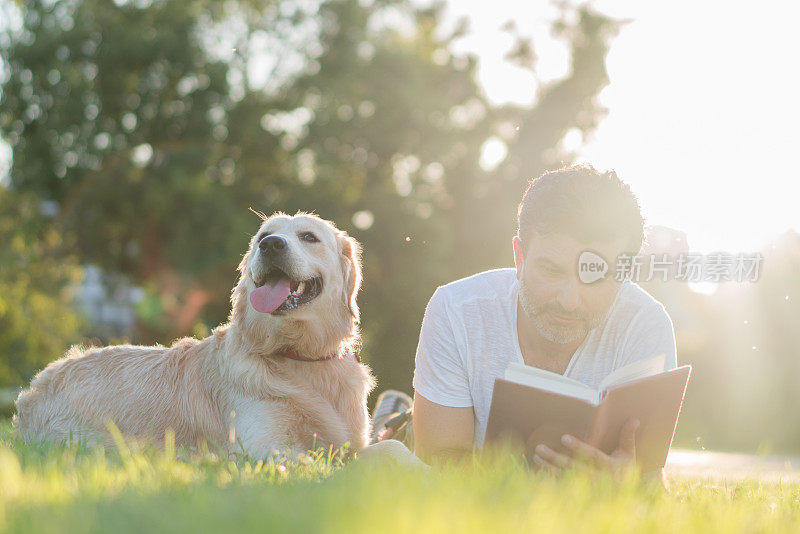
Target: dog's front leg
[257,429]
[260,428]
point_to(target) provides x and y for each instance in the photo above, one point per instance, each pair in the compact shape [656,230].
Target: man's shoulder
[635,295]
[481,286]
[643,325]
[632,300]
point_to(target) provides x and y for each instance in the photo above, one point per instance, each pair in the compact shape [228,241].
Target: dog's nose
[272,243]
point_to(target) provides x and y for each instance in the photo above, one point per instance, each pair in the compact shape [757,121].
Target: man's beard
[552,332]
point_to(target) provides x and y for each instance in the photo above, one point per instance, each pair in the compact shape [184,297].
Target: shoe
[390,403]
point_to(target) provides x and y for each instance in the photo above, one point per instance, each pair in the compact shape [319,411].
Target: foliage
[37,321]
[154,126]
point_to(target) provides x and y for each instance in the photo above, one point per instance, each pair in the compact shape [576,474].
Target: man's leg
[393,407]
[392,444]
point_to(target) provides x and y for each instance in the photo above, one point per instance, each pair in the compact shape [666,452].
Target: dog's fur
[232,388]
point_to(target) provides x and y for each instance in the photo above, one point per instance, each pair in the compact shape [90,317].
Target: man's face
[563,308]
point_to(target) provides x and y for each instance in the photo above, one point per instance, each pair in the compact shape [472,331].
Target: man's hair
[583,203]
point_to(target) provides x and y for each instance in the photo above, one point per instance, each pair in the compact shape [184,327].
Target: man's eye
[309,237]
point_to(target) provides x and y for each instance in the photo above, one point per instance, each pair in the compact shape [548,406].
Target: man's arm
[443,417]
[442,432]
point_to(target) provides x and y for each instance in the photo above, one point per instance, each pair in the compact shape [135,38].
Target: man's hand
[622,458]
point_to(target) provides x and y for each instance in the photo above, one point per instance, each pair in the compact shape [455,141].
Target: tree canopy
[152,127]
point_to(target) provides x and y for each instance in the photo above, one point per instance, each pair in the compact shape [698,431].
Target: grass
[74,489]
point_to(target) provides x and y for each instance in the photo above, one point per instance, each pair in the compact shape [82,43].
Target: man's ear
[518,255]
[351,270]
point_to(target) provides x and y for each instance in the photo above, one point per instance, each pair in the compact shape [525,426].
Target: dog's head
[298,284]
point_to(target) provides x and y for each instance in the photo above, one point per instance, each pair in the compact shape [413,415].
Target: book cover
[527,416]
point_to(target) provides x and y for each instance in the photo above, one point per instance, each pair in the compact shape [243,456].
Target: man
[540,314]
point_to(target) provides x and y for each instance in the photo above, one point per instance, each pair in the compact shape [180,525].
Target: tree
[37,322]
[396,128]
[153,130]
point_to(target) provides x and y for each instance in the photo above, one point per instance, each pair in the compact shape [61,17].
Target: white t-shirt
[469,336]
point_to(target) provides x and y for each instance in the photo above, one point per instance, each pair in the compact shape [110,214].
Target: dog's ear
[242,267]
[351,269]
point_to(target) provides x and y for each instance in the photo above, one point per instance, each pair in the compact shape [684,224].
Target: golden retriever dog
[281,374]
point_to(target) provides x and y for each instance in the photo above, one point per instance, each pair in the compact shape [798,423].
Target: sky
[704,115]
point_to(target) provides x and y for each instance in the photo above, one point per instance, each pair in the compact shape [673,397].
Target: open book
[532,406]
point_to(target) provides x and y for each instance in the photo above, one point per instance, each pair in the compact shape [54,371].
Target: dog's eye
[261,236]
[308,237]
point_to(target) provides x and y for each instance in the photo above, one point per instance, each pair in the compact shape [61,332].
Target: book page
[548,381]
[647,367]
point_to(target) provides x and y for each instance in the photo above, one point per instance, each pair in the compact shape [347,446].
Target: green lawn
[68,489]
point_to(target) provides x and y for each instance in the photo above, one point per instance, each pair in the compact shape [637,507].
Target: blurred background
[135,135]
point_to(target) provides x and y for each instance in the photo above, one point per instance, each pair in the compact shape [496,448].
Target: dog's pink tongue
[270,296]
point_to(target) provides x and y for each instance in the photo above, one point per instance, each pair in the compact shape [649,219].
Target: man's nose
[272,244]
[569,297]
